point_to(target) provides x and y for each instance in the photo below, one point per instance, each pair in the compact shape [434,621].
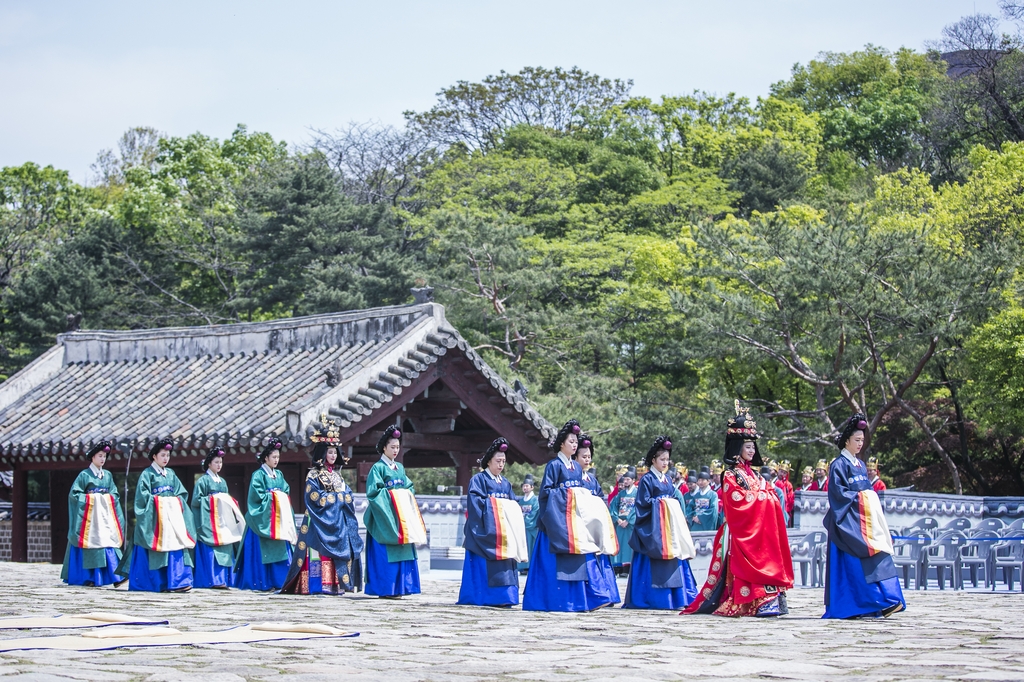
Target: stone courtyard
[970,635]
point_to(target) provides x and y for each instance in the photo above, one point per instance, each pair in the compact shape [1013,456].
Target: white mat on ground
[115,638]
[93,619]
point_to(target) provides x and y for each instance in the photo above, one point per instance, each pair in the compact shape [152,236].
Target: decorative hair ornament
[210,455]
[327,430]
[162,444]
[572,426]
[659,444]
[857,422]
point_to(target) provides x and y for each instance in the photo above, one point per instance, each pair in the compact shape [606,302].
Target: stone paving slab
[944,636]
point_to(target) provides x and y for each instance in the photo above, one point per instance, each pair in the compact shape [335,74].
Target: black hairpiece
[571,426]
[857,422]
[210,454]
[389,433]
[274,444]
[162,444]
[660,443]
[104,446]
[585,441]
[499,445]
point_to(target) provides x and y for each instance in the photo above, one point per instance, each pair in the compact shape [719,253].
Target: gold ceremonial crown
[682,469]
[620,469]
[327,431]
[821,464]
[785,465]
[717,467]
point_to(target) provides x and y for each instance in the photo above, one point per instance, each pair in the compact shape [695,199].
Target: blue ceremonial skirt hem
[545,592]
[94,576]
[476,592]
[208,573]
[641,595]
[389,579]
[176,575]
[252,574]
[850,595]
[601,585]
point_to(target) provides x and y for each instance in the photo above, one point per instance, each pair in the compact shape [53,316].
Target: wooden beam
[19,516]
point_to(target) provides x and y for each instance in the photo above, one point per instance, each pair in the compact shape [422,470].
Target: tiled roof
[230,385]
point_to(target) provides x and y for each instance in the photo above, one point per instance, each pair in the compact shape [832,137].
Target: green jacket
[206,486]
[379,517]
[85,484]
[151,485]
[258,511]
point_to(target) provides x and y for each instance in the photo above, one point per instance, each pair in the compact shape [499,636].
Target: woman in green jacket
[270,527]
[96,531]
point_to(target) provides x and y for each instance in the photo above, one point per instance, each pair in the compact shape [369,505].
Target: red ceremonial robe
[751,562]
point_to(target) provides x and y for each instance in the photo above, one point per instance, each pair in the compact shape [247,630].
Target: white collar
[96,471]
[392,464]
[496,479]
[270,472]
[158,469]
[528,496]
[630,488]
[661,476]
[213,475]
[569,464]
[850,456]
[704,491]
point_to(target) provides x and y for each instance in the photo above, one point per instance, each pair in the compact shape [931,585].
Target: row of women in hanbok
[576,542]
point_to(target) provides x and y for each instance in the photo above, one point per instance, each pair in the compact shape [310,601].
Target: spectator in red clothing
[876,482]
[783,482]
[806,478]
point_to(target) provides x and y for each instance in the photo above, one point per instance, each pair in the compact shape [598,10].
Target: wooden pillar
[362,471]
[19,516]
[295,474]
[463,470]
[61,481]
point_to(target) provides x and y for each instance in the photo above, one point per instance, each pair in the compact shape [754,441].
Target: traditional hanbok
[220,526]
[604,561]
[393,529]
[328,554]
[495,541]
[164,532]
[96,530]
[703,504]
[660,575]
[623,509]
[751,563]
[269,534]
[530,506]
[565,574]
[860,576]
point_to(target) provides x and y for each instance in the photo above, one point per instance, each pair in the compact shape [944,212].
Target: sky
[75,75]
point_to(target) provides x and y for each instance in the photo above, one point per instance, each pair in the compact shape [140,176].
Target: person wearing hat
[270,526]
[393,523]
[220,526]
[495,535]
[860,576]
[530,506]
[619,470]
[716,469]
[784,483]
[327,554]
[751,566]
[769,475]
[624,514]
[660,576]
[96,528]
[585,457]
[164,528]
[563,563]
[702,511]
[806,478]
[820,482]
[877,484]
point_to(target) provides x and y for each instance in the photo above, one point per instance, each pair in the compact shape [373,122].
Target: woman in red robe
[751,567]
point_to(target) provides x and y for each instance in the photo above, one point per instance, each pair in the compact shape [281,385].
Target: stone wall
[38,541]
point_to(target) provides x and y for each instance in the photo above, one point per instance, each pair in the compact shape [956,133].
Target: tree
[855,314]
[476,114]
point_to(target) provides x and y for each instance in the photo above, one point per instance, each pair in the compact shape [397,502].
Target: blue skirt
[92,576]
[175,575]
[476,592]
[545,592]
[640,594]
[387,579]
[601,586]
[849,594]
[531,540]
[250,571]
[208,573]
